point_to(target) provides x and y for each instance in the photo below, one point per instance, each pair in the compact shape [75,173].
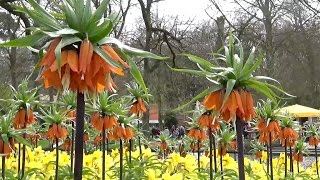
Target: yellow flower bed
[40,164]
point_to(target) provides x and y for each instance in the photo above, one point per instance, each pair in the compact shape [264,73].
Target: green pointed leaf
[86,16]
[258,78]
[42,11]
[262,88]
[199,96]
[229,88]
[279,89]
[101,31]
[30,40]
[134,71]
[252,68]
[190,71]
[42,19]
[79,8]
[130,50]
[22,140]
[5,138]
[64,31]
[105,56]
[70,15]
[65,41]
[97,15]
[249,62]
[202,62]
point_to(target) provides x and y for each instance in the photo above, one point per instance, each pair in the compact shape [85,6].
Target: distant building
[153,114]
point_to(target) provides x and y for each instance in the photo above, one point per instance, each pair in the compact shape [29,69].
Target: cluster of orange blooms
[298,157]
[265,130]
[197,134]
[259,154]
[56,131]
[288,136]
[23,118]
[106,122]
[206,120]
[138,107]
[239,104]
[83,71]
[314,141]
[7,148]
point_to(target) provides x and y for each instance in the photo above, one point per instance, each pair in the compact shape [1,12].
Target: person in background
[173,128]
[166,131]
[182,131]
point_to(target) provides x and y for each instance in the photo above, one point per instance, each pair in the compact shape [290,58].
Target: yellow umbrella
[300,111]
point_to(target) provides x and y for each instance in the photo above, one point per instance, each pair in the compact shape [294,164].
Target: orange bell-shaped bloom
[288,136]
[7,148]
[298,157]
[97,140]
[163,145]
[66,146]
[85,71]
[86,137]
[222,150]
[56,131]
[259,154]
[138,107]
[23,118]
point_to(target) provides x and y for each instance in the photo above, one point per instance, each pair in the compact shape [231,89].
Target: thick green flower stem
[103,154]
[239,129]
[79,137]
[291,160]
[271,164]
[198,144]
[316,154]
[210,152]
[221,164]
[214,152]
[121,159]
[72,146]
[3,165]
[130,149]
[285,158]
[57,159]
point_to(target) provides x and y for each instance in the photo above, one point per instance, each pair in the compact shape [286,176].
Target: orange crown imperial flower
[23,118]
[313,141]
[56,131]
[84,71]
[197,134]
[103,122]
[7,148]
[288,136]
[120,132]
[239,104]
[138,107]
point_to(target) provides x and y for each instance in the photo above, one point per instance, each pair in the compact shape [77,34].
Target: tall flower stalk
[55,120]
[8,138]
[288,137]
[225,136]
[229,95]
[23,102]
[314,140]
[268,126]
[105,110]
[299,150]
